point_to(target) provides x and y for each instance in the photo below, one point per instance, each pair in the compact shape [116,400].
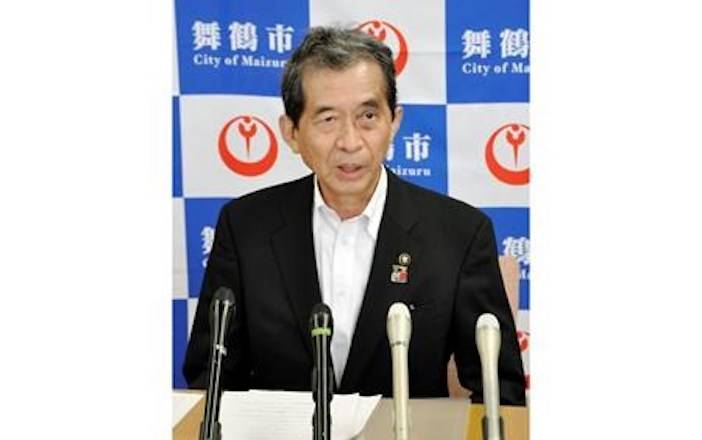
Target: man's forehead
[318,81]
[371,67]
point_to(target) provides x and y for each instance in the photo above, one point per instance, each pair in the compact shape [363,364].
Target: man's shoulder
[431,204]
[262,211]
[442,222]
[269,197]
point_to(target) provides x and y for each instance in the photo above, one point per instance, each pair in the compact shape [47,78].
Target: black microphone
[223,307]
[321,329]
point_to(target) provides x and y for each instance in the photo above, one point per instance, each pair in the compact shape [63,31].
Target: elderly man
[356,237]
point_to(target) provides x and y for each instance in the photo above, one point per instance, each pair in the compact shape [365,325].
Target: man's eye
[369,115]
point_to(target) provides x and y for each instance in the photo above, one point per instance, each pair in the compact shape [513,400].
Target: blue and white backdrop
[463,79]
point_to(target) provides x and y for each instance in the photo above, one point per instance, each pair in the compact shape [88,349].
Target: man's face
[345,129]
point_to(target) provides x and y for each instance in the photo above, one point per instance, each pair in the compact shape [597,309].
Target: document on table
[275,415]
[183,402]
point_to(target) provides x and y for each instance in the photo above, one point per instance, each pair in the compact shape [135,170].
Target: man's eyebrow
[373,103]
[322,109]
[370,103]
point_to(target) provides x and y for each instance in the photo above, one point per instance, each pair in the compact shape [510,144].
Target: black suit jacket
[263,250]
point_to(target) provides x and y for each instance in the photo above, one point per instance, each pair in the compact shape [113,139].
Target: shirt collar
[373,211]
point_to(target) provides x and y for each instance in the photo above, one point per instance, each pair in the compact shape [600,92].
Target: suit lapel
[394,238]
[293,246]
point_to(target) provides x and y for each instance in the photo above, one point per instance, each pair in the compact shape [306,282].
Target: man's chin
[350,187]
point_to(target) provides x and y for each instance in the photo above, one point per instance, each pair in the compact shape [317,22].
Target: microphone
[223,307]
[399,328]
[488,339]
[321,329]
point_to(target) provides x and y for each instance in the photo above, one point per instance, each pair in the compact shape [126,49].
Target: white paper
[183,403]
[275,415]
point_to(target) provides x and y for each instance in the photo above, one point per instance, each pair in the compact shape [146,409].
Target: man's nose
[350,137]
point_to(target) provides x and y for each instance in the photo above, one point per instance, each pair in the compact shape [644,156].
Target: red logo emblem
[514,136]
[247,130]
[378,29]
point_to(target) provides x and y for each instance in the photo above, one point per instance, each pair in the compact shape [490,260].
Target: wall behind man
[463,79]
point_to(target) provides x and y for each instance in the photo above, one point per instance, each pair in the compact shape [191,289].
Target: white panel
[192,307]
[180,267]
[523,320]
[421,25]
[469,130]
[203,119]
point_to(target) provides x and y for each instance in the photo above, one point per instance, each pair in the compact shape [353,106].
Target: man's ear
[287,129]
[399,111]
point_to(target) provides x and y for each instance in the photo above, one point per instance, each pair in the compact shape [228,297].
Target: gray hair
[337,49]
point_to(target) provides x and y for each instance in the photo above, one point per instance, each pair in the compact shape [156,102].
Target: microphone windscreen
[221,295]
[399,310]
[321,318]
[224,294]
[488,320]
[399,324]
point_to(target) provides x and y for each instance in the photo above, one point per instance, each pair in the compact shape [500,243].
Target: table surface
[431,419]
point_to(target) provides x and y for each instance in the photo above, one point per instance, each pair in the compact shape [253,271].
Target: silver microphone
[487,338]
[399,327]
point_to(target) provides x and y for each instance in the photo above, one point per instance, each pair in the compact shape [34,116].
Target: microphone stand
[489,434]
[399,330]
[210,428]
[321,330]
[322,386]
[488,341]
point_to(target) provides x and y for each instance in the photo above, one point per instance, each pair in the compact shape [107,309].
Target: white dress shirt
[344,253]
